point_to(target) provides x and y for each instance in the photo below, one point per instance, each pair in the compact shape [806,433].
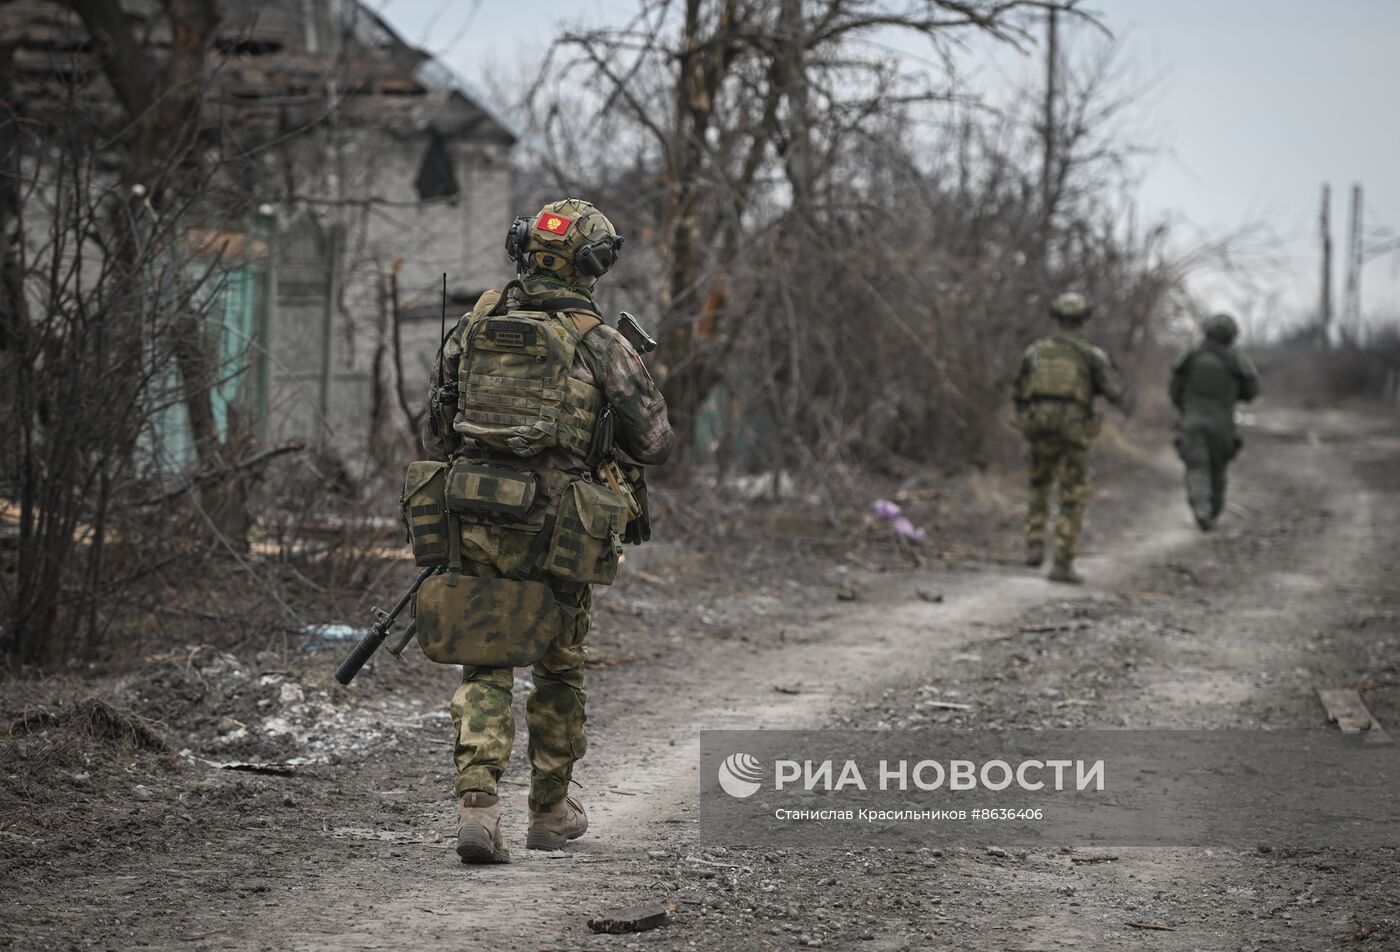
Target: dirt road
[353,849]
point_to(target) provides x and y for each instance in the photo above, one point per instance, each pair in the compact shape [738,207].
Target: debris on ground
[94,717]
[313,635]
[1348,711]
[633,919]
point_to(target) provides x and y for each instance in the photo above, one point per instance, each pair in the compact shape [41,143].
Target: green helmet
[569,240]
[1072,307]
[1221,328]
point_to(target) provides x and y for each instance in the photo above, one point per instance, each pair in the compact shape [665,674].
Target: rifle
[628,481]
[442,406]
[384,624]
[640,340]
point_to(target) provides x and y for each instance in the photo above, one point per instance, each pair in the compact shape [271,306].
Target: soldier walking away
[516,433]
[1060,377]
[1206,383]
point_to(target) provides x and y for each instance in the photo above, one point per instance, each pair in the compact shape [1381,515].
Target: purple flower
[906,528]
[885,509]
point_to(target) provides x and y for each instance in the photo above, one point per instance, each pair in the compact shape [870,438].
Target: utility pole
[1351,298]
[1324,315]
[1047,165]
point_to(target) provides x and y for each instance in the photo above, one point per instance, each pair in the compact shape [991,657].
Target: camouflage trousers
[554,712]
[1206,444]
[1051,460]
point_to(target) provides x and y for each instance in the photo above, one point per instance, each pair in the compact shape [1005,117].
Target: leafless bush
[130,460]
[1366,369]
[840,279]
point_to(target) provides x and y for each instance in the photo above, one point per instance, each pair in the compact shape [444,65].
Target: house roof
[275,63]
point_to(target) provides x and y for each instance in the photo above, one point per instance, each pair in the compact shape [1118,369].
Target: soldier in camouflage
[558,254]
[1207,381]
[1055,391]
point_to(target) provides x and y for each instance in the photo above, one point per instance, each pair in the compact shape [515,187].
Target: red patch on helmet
[557,224]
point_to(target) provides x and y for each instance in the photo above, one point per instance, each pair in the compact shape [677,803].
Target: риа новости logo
[739,775]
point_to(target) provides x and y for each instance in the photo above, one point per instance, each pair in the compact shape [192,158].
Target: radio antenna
[442,342]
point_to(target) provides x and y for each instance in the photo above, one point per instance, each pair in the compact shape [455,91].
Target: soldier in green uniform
[1207,381]
[1059,379]
[560,254]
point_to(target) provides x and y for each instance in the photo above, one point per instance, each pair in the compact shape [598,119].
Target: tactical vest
[1212,382]
[1058,371]
[515,391]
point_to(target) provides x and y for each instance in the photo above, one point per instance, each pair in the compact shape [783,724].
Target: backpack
[515,391]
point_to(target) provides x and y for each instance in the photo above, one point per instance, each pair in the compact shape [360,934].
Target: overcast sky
[1261,101]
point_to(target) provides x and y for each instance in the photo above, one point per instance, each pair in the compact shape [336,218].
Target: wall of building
[354,219]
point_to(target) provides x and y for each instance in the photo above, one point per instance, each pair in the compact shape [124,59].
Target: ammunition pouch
[1057,421]
[423,508]
[475,489]
[587,539]
[488,622]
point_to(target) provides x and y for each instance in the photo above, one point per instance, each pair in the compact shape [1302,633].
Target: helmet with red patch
[568,240]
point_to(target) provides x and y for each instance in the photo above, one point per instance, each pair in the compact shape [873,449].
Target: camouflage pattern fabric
[643,430]
[1103,376]
[485,621]
[557,234]
[554,713]
[1058,440]
[1059,434]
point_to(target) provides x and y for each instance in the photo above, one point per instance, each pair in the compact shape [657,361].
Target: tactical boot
[1035,552]
[1204,517]
[555,825]
[479,838]
[1064,572]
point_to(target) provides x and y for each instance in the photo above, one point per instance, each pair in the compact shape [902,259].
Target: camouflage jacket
[642,430]
[1103,374]
[1210,379]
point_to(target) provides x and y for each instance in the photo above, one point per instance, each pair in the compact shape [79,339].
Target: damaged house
[367,168]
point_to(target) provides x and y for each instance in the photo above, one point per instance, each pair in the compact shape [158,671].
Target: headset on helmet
[533,244]
[516,238]
[595,258]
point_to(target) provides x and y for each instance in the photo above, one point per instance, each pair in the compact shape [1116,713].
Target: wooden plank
[1345,708]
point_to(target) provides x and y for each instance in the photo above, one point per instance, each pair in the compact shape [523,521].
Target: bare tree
[743,110]
[841,279]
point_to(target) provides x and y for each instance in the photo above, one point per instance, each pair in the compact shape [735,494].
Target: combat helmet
[1071,307]
[1221,328]
[569,241]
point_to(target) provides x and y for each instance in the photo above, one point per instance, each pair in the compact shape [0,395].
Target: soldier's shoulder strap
[591,345]
[1239,365]
[1090,354]
[461,328]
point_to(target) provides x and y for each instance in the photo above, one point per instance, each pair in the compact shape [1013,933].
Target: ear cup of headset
[595,258]
[516,238]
